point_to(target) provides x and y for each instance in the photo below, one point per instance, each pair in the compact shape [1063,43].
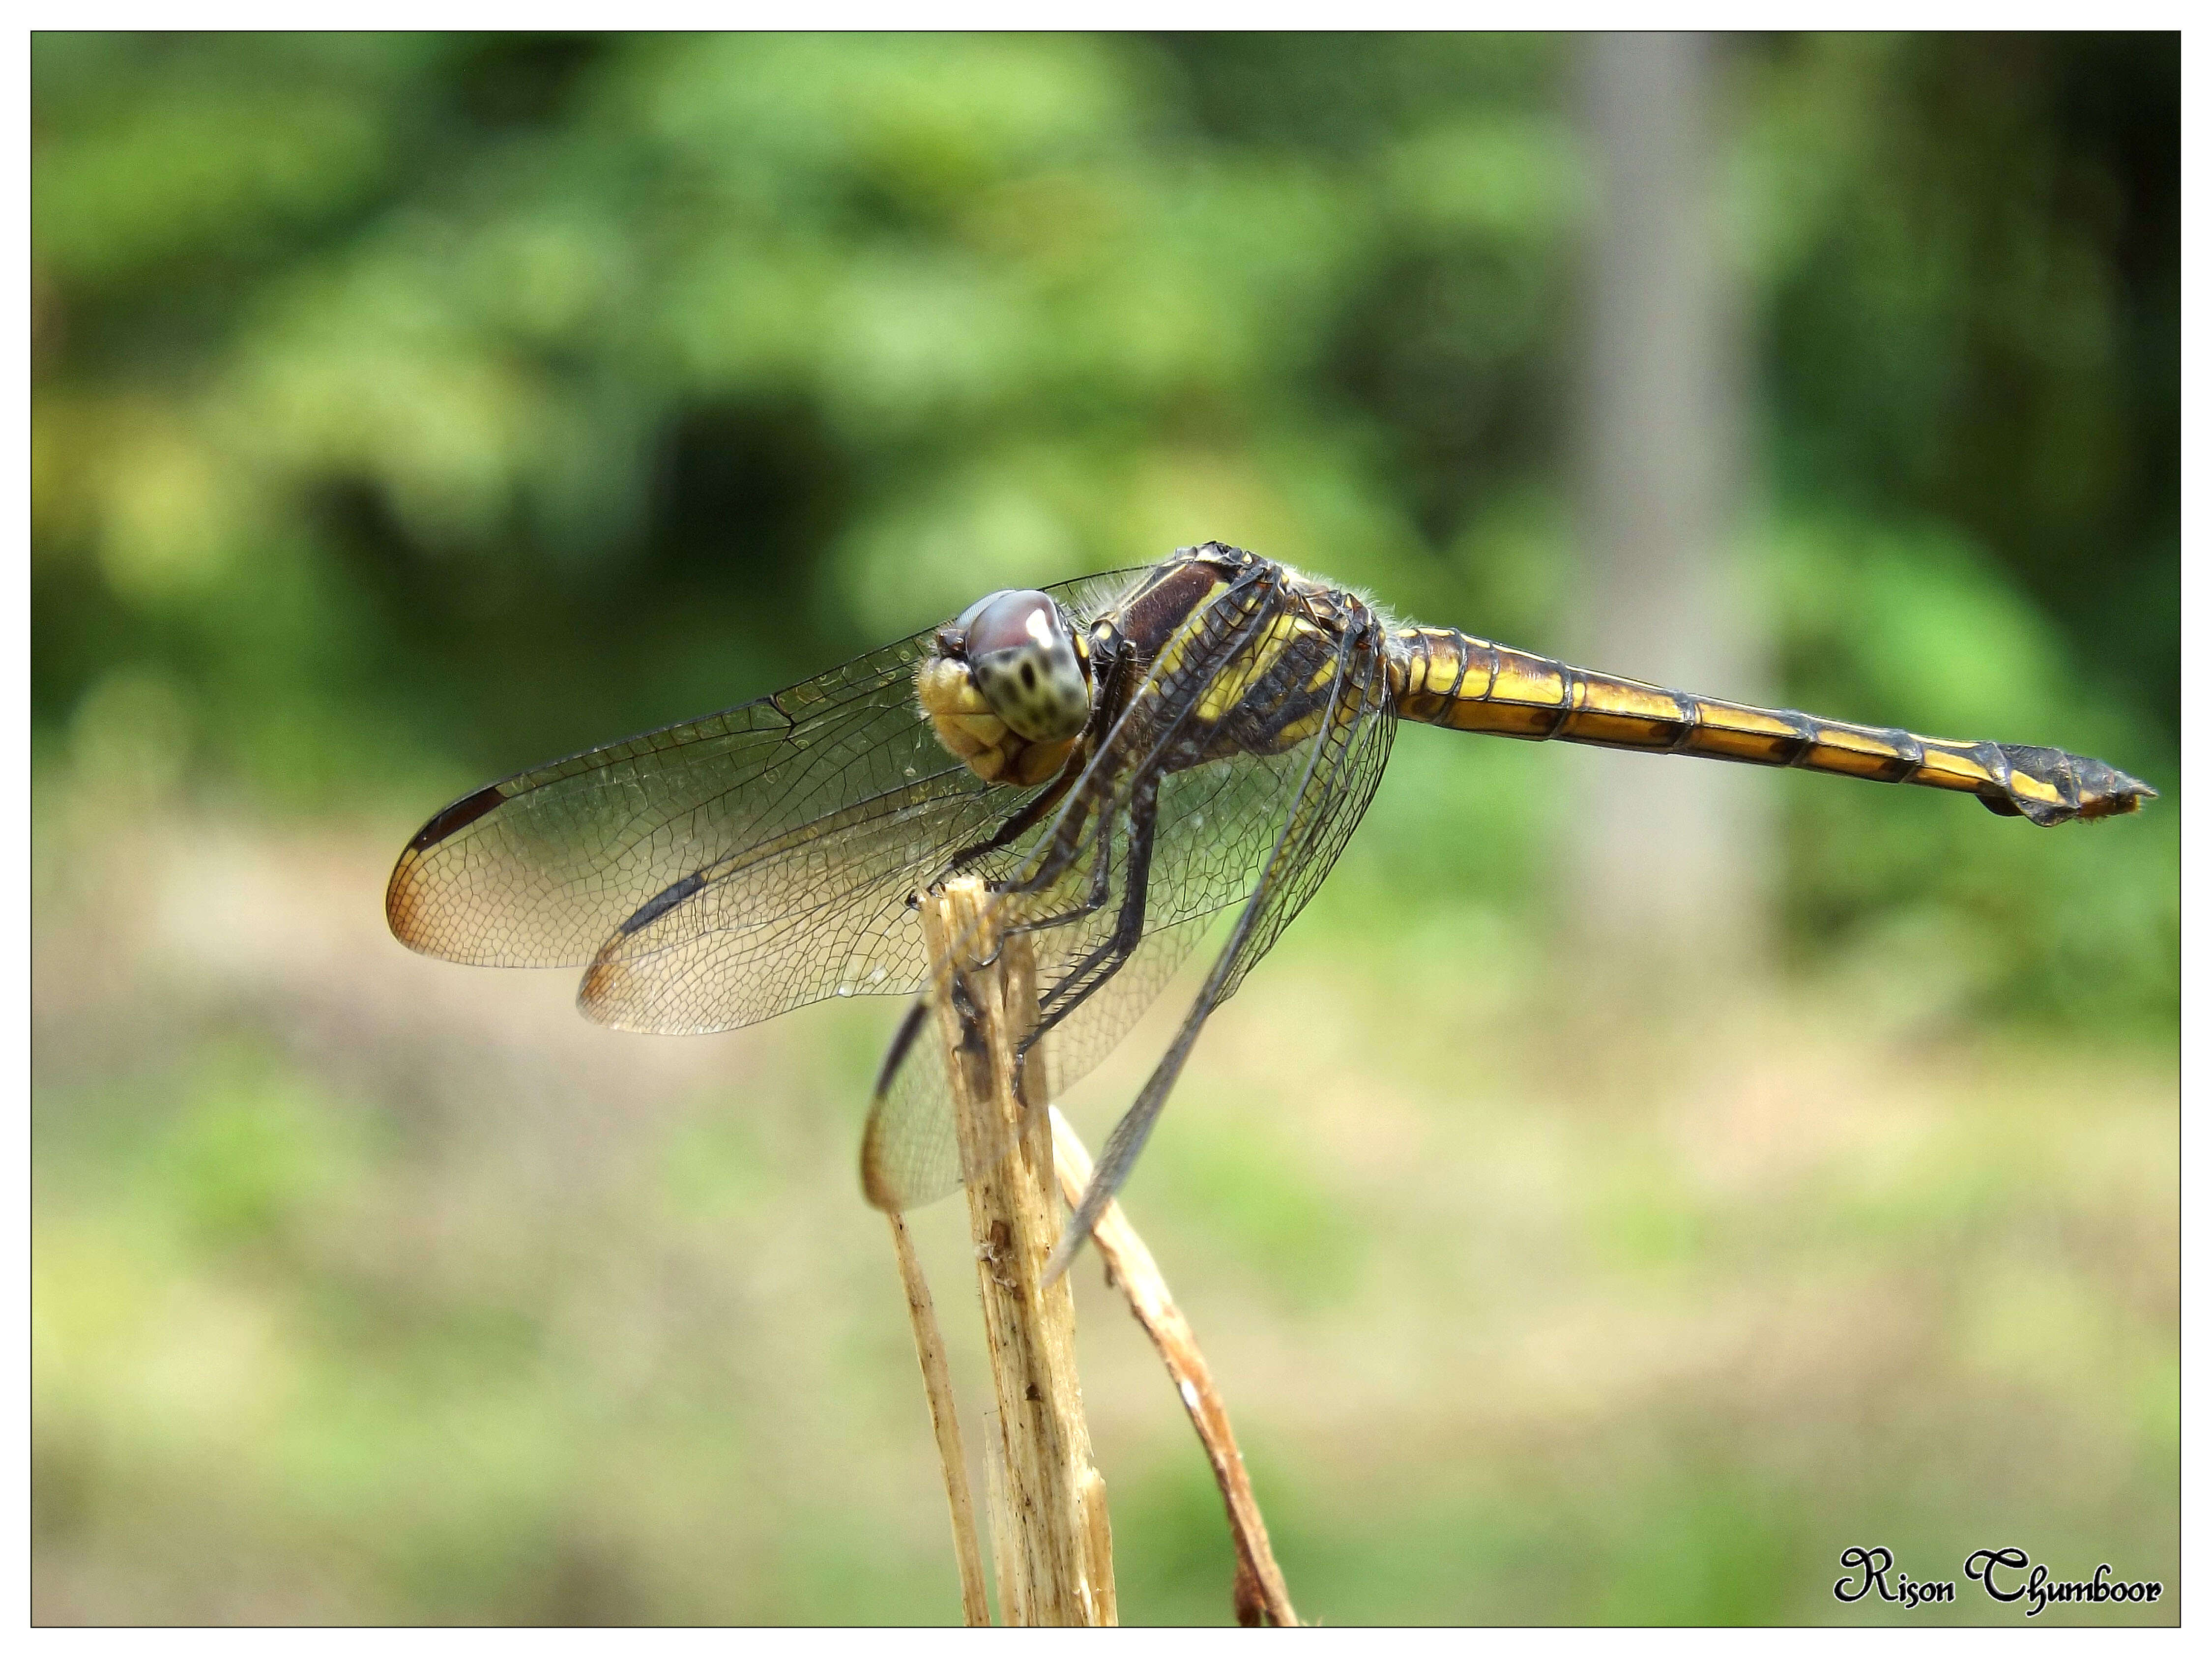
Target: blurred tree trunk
[1669,859]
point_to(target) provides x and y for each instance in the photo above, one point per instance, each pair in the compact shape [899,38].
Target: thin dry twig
[1050,1532]
[945,1419]
[1261,1595]
[1005,1548]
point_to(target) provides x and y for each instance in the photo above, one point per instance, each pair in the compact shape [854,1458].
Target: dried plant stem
[1261,1598]
[1006,1557]
[945,1419]
[1050,1527]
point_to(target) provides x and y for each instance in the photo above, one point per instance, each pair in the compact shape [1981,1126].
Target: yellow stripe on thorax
[1228,688]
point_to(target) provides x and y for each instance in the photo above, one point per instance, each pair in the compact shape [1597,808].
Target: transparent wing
[1347,769]
[720,871]
[817,911]
[910,1153]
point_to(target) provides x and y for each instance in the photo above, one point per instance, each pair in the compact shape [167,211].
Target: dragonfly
[1122,761]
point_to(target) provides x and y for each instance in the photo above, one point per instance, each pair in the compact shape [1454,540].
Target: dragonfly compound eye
[1007,689]
[1023,656]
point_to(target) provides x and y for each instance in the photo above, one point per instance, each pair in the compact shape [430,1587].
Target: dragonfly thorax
[1007,689]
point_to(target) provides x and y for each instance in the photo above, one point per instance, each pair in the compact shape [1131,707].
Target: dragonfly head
[1007,689]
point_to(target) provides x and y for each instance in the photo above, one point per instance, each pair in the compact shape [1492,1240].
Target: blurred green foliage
[409,409]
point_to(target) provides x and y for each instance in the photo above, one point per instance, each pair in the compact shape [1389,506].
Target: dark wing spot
[909,1028]
[462,813]
[663,901]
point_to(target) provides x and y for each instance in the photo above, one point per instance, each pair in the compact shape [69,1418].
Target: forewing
[720,870]
[820,911]
[540,870]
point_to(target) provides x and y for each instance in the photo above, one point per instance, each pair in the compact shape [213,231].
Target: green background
[407,409]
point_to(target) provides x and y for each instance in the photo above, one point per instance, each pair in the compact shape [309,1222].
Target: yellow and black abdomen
[1442,677]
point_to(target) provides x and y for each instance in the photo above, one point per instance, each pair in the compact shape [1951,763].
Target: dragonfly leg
[1031,814]
[1091,902]
[1067,840]
[1102,963]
